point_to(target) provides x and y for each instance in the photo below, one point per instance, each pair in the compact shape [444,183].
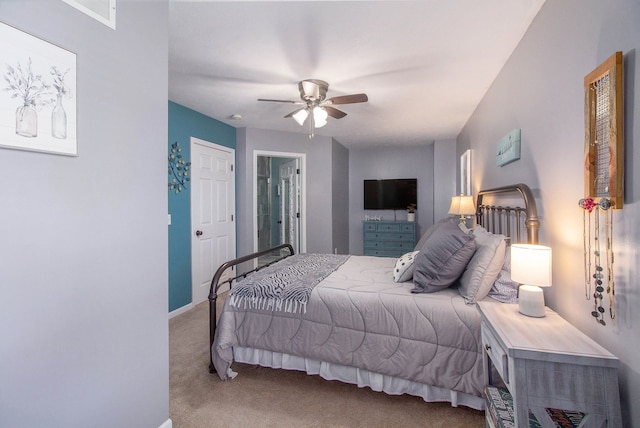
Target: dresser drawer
[388,238]
[382,252]
[376,236]
[393,246]
[498,355]
[370,227]
[409,228]
[388,227]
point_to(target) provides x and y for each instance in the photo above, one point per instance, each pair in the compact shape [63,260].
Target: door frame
[284,214]
[302,157]
[192,229]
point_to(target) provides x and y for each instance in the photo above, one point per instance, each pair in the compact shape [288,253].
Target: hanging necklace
[587,205]
[598,309]
[586,244]
[597,277]
[611,285]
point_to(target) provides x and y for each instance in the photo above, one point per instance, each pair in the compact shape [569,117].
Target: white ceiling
[424,64]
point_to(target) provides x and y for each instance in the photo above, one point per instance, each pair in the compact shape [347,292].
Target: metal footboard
[281,251]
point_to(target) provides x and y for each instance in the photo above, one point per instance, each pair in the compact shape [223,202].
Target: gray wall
[383,163]
[340,198]
[540,91]
[444,177]
[319,158]
[83,254]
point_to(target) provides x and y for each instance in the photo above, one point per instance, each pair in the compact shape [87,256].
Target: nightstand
[546,363]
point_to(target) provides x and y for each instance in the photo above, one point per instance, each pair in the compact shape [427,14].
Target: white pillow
[484,267]
[404,267]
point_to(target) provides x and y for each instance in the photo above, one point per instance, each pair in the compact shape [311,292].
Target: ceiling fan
[313,93]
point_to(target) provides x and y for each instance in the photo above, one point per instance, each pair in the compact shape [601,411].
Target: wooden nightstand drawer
[497,354]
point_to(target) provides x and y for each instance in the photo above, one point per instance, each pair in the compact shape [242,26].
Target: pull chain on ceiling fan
[317,108]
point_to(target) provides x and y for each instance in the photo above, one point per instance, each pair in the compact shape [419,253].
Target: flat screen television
[392,194]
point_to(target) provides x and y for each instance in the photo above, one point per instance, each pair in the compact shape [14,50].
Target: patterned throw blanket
[286,285]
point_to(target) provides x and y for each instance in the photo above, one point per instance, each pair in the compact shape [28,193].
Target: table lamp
[531,267]
[462,206]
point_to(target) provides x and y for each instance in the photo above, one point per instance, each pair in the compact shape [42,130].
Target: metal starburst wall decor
[178,169]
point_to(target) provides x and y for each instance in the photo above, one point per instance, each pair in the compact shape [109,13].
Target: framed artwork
[37,94]
[101,10]
[604,131]
[508,149]
[465,173]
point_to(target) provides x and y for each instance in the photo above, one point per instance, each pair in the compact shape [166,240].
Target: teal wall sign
[508,149]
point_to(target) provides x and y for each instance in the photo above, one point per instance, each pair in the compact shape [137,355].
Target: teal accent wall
[185,123]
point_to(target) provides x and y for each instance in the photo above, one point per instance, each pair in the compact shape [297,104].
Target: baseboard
[167,424]
[179,311]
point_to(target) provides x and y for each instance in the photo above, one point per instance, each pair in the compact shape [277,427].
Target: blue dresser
[388,238]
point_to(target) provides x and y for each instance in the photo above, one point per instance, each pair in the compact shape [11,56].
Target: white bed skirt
[363,378]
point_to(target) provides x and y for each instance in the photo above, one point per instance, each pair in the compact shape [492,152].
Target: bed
[406,325]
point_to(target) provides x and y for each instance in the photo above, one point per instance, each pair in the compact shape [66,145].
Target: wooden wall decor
[604,132]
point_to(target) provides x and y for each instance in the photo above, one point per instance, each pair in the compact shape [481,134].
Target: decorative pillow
[404,267]
[429,232]
[504,289]
[484,266]
[463,227]
[443,258]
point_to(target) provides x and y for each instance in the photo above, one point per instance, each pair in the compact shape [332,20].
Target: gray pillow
[443,258]
[429,232]
[484,267]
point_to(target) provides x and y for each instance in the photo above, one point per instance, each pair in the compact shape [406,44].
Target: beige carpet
[262,397]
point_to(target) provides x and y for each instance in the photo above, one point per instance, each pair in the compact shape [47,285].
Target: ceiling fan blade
[348,99]
[334,112]
[280,101]
[293,112]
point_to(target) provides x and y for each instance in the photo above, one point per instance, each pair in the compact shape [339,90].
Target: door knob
[198,233]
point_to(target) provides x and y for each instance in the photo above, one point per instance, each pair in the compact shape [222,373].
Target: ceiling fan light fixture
[300,116]
[320,116]
[313,93]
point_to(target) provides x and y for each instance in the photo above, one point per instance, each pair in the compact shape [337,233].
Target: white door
[213,231]
[290,204]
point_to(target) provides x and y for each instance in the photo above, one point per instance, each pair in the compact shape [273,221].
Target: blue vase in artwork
[59,120]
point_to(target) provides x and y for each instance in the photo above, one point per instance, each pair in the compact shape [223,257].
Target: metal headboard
[508,220]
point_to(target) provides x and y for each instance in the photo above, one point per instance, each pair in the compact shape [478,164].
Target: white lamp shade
[300,116]
[531,264]
[320,117]
[462,205]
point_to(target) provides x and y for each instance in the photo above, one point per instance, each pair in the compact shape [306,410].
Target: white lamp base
[531,301]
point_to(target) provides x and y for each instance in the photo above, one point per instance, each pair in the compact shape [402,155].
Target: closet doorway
[279,193]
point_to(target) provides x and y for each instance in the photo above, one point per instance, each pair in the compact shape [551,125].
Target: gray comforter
[357,316]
